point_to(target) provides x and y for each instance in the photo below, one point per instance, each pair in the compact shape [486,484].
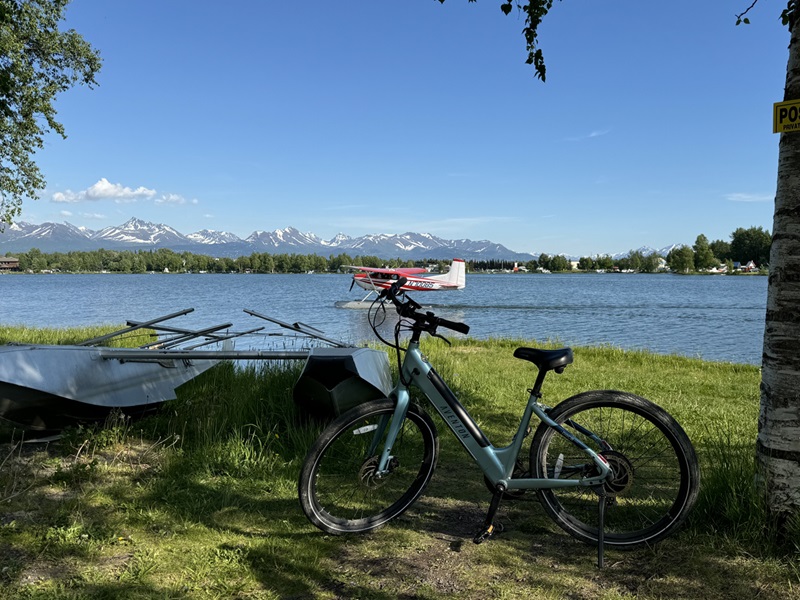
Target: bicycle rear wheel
[655,471]
[339,491]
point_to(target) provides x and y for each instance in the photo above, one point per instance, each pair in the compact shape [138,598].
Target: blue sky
[387,116]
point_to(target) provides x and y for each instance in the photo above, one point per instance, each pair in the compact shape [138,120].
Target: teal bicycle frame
[496,463]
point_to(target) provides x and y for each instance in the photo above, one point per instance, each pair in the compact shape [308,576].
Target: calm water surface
[715,318]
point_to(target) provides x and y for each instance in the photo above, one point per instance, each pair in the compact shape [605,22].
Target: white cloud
[590,135]
[116,191]
[105,190]
[65,213]
[94,216]
[171,199]
[67,196]
[738,197]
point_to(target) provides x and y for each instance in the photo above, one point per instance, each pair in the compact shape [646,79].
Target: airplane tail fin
[457,275]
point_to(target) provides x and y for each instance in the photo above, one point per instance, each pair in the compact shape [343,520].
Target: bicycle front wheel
[339,489]
[655,471]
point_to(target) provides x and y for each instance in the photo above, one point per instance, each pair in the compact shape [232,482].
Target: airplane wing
[406,271]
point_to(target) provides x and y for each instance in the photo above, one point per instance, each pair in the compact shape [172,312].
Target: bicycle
[609,467]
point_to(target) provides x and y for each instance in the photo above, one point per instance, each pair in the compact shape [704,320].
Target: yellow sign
[786,117]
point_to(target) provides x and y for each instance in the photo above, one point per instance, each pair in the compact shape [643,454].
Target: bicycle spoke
[650,487]
[341,488]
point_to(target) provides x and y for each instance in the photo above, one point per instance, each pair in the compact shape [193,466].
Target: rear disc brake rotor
[621,479]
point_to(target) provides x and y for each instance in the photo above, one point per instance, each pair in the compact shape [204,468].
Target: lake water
[715,318]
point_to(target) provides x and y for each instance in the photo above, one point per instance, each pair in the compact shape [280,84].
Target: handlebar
[427,321]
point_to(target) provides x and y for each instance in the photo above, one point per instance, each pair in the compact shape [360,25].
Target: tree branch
[739,16]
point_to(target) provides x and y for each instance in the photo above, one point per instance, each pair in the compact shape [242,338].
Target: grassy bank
[72,335]
[200,501]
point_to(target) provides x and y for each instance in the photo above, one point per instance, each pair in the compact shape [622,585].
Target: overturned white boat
[50,387]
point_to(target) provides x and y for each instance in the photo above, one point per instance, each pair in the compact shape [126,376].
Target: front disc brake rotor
[367,474]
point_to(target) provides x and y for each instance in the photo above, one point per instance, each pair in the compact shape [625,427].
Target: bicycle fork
[394,423]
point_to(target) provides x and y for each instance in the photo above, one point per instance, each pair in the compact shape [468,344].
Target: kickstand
[601,522]
[489,527]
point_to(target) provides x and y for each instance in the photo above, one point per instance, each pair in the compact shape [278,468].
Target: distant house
[746,268]
[9,263]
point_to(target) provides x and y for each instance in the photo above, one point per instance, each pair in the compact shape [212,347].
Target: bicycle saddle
[546,359]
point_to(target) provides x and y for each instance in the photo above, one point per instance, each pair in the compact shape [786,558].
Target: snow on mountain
[289,237]
[667,249]
[48,237]
[55,230]
[647,251]
[337,240]
[16,230]
[209,236]
[138,234]
[136,231]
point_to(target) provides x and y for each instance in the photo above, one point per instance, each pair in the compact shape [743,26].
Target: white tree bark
[779,420]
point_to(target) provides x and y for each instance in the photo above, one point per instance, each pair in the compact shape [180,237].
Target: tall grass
[21,334]
[207,503]
[716,403]
[238,421]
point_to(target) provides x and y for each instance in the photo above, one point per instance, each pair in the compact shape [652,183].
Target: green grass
[72,335]
[200,501]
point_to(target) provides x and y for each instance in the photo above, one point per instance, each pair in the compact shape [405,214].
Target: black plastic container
[334,380]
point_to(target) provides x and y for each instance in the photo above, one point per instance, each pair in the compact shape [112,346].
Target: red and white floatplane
[376,279]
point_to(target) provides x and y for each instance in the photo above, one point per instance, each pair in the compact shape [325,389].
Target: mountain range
[136,234]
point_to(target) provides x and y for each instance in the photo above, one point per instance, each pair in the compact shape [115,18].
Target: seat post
[537,387]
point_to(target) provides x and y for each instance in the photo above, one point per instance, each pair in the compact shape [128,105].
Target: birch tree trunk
[778,445]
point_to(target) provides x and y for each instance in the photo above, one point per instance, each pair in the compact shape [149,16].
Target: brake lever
[441,337]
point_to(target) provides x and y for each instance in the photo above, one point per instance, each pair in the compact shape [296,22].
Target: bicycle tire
[337,491]
[656,473]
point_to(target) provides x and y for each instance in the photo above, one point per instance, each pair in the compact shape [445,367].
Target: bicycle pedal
[487,532]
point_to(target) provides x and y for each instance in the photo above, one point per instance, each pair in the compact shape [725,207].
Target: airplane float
[375,279]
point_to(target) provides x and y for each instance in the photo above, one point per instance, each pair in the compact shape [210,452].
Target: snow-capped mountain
[209,236]
[282,238]
[647,251]
[136,231]
[138,234]
[338,240]
[47,237]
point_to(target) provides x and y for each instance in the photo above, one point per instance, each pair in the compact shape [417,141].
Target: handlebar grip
[394,289]
[454,325]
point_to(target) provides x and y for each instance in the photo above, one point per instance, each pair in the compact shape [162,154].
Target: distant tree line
[165,260]
[745,245]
